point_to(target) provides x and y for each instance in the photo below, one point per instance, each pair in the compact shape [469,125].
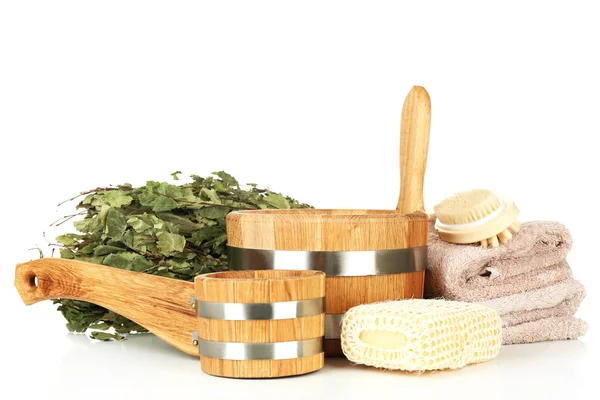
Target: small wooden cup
[261,324]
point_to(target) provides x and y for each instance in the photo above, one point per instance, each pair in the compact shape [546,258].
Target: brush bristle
[466,207]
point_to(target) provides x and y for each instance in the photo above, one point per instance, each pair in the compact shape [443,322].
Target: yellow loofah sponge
[421,335]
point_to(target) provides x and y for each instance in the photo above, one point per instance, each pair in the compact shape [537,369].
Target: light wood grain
[266,286]
[161,305]
[345,292]
[262,368]
[326,230]
[414,143]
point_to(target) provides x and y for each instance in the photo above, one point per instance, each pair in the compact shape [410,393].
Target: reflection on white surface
[146,366]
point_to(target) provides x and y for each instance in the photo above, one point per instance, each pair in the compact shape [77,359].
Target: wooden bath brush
[476,216]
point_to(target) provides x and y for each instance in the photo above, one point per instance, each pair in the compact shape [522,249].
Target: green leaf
[140,240]
[87,199]
[217,241]
[101,326]
[157,196]
[104,209]
[89,224]
[140,223]
[93,260]
[128,261]
[107,337]
[169,243]
[103,250]
[211,194]
[180,267]
[88,249]
[183,224]
[69,239]
[165,273]
[67,253]
[161,203]
[115,224]
[117,198]
[175,175]
[219,186]
[128,238]
[212,212]
[205,233]
[115,260]
[79,318]
[207,221]
[227,179]
[277,200]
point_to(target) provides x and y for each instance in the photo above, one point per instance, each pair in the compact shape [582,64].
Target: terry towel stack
[527,280]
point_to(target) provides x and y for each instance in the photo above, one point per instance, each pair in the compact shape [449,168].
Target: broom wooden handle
[414,142]
[161,305]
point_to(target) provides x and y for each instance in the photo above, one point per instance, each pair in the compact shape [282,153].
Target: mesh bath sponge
[421,335]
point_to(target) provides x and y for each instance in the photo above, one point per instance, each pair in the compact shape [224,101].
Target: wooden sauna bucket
[367,255]
[260,324]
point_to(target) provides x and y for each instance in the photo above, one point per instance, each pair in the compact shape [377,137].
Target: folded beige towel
[527,280]
[560,300]
[543,314]
[534,258]
[560,328]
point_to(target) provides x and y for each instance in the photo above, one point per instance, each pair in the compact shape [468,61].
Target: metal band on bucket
[260,351]
[260,311]
[333,326]
[333,263]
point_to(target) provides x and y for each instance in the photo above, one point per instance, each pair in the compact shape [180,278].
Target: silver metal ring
[254,311]
[333,263]
[333,326]
[260,351]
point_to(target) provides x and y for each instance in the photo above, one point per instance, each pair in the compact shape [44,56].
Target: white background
[303,97]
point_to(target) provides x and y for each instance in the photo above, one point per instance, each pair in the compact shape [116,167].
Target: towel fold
[558,328]
[527,280]
[560,300]
[543,314]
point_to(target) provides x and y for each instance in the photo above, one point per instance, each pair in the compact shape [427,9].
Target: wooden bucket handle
[414,142]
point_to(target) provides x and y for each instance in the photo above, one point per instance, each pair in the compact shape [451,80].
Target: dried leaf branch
[161,229]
